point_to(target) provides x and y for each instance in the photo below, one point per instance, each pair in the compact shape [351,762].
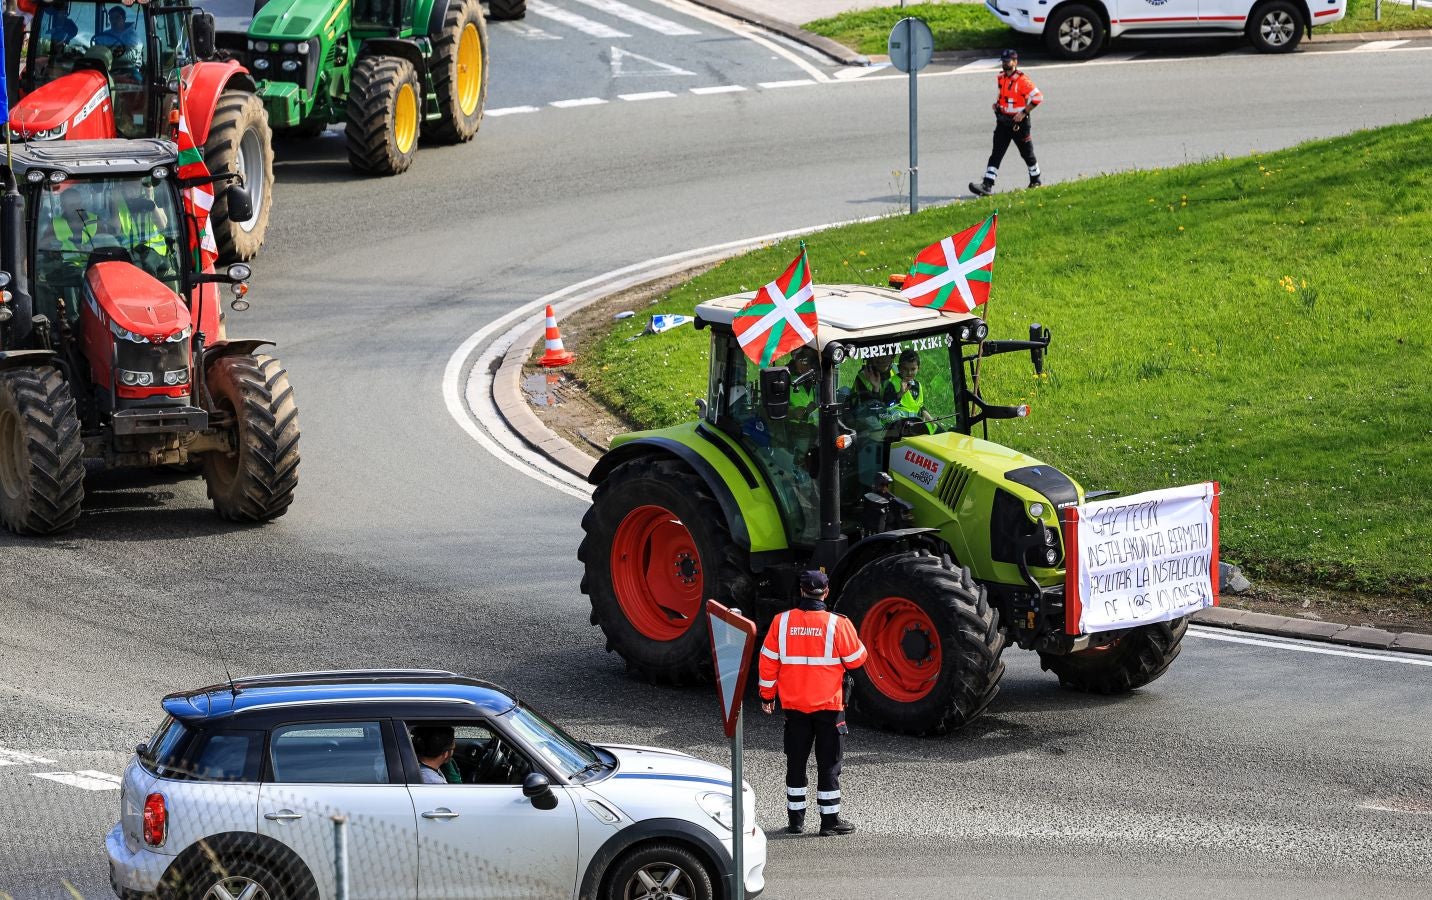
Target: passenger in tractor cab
[874,383]
[143,228]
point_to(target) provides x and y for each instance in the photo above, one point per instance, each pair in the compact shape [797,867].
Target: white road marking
[580,101]
[1375,46]
[1407,807]
[648,95]
[798,82]
[1304,646]
[749,32]
[530,32]
[718,89]
[640,17]
[981,64]
[16,758]
[850,73]
[88,779]
[572,20]
[510,111]
[626,63]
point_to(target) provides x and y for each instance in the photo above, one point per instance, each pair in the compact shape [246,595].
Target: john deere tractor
[388,69]
[860,457]
[113,68]
[113,348]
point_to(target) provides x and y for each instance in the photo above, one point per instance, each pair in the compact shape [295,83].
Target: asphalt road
[1248,770]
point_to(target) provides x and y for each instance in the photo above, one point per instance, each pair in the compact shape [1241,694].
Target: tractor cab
[86,55]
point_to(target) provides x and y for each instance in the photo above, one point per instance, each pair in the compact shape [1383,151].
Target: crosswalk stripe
[572,20]
[530,32]
[718,89]
[640,17]
[648,95]
[88,780]
[798,82]
[16,758]
[580,101]
[980,64]
[1374,46]
[509,110]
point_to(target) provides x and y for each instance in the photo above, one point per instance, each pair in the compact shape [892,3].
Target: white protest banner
[1147,558]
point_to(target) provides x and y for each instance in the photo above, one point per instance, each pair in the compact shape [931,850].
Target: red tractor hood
[79,103]
[136,301]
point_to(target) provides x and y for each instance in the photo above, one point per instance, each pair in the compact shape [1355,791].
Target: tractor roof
[847,312]
[101,157]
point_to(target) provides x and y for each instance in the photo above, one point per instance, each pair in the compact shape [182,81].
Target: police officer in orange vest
[1017,98]
[804,659]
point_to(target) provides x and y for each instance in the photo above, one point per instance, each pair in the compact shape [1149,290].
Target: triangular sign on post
[733,637]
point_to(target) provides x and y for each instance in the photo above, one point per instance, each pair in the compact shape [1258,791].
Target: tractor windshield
[80,221]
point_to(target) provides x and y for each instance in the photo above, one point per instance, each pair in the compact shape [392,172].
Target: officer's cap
[813,581]
[1009,54]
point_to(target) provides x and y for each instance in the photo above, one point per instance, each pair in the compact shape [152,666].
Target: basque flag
[955,273]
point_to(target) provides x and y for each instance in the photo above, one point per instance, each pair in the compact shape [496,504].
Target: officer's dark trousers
[1005,131]
[825,731]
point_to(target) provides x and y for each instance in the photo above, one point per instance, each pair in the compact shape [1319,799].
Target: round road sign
[911,45]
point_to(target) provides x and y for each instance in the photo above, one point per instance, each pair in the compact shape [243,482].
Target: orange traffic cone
[556,354]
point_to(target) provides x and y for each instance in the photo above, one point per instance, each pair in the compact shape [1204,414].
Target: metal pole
[914,126]
[1377,10]
[340,857]
[738,804]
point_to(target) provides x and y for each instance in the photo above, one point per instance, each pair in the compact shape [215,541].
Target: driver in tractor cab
[124,43]
[65,243]
[141,226]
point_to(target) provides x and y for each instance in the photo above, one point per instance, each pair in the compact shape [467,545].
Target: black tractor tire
[240,131]
[1136,658]
[377,91]
[1276,27]
[964,636]
[659,862]
[41,453]
[256,483]
[1075,31]
[675,647]
[507,9]
[460,101]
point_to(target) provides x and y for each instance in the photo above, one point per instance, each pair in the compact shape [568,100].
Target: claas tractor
[113,350]
[98,69]
[859,456]
[390,70]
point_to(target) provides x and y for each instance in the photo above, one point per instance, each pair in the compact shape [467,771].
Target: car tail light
[156,820]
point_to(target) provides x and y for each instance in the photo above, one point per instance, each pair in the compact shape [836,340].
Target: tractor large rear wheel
[656,549]
[933,643]
[385,104]
[257,481]
[41,454]
[240,141]
[459,68]
[1134,659]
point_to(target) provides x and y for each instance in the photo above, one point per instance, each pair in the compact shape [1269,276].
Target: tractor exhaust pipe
[14,39]
[12,260]
[832,543]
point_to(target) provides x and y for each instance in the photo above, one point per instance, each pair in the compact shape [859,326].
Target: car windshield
[562,751]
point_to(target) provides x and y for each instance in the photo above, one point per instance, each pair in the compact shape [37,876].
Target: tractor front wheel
[933,643]
[385,104]
[656,549]
[1134,659]
[240,141]
[459,69]
[41,454]
[256,482]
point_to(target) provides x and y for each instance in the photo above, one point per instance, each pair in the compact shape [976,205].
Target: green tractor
[389,69]
[941,546]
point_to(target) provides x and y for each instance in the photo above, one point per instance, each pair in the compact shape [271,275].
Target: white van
[1079,29]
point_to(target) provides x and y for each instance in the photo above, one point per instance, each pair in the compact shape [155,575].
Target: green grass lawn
[969,26]
[1261,321]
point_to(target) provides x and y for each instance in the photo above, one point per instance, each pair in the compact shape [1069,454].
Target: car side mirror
[776,392]
[538,789]
[204,35]
[241,205]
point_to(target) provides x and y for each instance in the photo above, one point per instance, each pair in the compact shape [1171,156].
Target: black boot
[1035,182]
[981,188]
[797,823]
[830,826]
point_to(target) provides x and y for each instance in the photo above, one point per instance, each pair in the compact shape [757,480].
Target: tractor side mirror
[241,205]
[1039,335]
[538,789]
[776,391]
[204,30]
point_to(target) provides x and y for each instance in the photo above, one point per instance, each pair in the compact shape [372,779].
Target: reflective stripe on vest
[1016,92]
[829,659]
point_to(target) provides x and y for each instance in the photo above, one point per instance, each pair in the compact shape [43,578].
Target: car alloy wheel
[236,887]
[1277,27]
[659,881]
[1076,34]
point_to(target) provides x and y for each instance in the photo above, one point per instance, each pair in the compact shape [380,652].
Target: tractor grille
[956,477]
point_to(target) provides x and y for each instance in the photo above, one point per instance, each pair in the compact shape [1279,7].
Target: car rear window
[182,752]
[329,753]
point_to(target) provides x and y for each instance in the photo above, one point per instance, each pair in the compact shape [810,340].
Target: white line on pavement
[16,758]
[797,82]
[749,32]
[718,89]
[850,73]
[1304,646]
[580,101]
[982,64]
[88,779]
[572,20]
[640,17]
[648,95]
[530,32]
[510,111]
[1375,46]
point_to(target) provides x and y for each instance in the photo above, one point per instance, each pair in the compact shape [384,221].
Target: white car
[1079,29]
[236,794]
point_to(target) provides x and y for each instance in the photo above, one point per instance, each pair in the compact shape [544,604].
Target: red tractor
[112,343]
[99,69]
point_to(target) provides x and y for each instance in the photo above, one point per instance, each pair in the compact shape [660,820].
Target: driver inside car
[434,746]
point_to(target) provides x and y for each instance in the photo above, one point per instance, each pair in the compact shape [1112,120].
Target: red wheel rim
[904,649]
[656,573]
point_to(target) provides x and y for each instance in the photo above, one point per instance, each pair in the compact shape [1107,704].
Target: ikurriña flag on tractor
[955,273]
[781,317]
[198,200]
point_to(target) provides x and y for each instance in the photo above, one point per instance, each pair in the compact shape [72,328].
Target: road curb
[516,412]
[834,49]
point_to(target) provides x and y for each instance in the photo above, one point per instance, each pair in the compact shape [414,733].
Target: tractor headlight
[176,376]
[290,47]
[178,336]
[718,807]
[34,176]
[289,65]
[981,331]
[159,173]
[1051,556]
[261,64]
[964,332]
[58,176]
[260,46]
[1049,537]
[1036,510]
[126,335]
[135,379]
